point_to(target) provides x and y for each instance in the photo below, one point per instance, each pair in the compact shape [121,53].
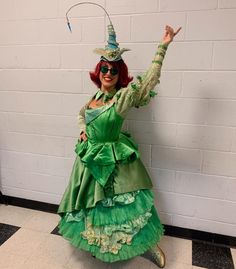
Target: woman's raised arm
[140,92]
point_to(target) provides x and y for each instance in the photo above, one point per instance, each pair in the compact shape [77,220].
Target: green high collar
[105,97]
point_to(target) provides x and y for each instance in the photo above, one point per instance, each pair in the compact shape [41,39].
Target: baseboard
[31,204]
[197,235]
[185,233]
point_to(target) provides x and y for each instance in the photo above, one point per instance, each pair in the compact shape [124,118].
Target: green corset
[106,145]
[103,124]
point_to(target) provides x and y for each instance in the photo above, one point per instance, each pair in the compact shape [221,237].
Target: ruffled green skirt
[112,226]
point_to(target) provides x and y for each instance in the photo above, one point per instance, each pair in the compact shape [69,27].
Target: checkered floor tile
[29,239]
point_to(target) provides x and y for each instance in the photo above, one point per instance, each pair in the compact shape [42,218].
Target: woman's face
[108,77]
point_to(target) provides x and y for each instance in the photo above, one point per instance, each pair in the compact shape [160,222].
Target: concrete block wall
[187,135]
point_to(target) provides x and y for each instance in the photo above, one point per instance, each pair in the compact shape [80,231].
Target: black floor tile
[55,231]
[211,256]
[191,234]
[6,231]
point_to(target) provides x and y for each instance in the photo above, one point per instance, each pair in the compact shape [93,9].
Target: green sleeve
[81,116]
[81,119]
[140,92]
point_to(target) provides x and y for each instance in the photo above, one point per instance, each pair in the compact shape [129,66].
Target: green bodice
[103,124]
[106,145]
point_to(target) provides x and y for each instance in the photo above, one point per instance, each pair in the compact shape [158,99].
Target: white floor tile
[10,261]
[233,252]
[137,262]
[54,250]
[177,265]
[42,221]
[36,263]
[14,215]
[177,250]
[23,243]
[83,260]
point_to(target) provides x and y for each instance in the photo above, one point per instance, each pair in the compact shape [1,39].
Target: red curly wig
[123,80]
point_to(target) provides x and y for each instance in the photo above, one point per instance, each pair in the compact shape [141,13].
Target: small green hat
[111,52]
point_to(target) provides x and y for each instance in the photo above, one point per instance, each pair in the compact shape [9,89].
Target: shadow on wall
[174,131]
[2,199]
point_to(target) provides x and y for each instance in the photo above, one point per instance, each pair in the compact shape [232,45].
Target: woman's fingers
[171,31]
[83,137]
[169,34]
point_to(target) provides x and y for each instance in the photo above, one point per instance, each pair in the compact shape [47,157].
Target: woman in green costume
[107,208]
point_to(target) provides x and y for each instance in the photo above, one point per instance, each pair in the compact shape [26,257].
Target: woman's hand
[169,34]
[83,136]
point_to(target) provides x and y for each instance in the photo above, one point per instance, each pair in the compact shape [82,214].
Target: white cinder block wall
[187,136]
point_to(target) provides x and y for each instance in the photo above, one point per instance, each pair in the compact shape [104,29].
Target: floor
[29,240]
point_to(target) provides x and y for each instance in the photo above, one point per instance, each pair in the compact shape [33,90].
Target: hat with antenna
[111,52]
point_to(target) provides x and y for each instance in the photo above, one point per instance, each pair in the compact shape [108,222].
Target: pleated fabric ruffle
[120,213]
[146,238]
[117,231]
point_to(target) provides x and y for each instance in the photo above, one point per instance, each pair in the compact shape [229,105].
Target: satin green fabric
[107,154]
[107,168]
[106,146]
[84,192]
